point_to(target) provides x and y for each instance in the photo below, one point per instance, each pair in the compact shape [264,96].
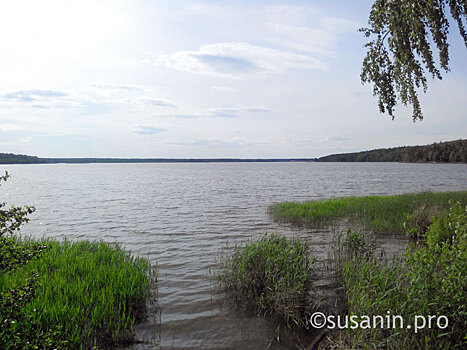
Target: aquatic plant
[272,274]
[431,281]
[376,213]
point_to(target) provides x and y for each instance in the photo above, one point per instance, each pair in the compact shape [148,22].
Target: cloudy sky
[150,78]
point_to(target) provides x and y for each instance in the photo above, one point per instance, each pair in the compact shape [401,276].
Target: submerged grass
[377,213]
[274,274]
[85,293]
[431,280]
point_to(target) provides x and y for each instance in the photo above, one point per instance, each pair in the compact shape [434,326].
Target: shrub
[21,329]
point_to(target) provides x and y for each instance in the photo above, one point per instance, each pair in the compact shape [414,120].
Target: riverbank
[428,281]
[70,295]
[415,302]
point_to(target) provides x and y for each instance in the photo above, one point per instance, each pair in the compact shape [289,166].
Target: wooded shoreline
[443,152]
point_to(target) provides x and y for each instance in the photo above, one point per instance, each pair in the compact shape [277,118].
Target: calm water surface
[180,216]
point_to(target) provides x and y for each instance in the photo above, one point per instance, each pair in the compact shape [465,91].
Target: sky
[203,79]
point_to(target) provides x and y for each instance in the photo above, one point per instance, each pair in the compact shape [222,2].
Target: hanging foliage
[400,55]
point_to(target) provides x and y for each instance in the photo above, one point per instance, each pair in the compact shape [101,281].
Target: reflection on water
[181,215]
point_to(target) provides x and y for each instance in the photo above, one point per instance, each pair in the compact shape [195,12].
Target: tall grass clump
[431,280]
[84,293]
[274,274]
[376,213]
[13,255]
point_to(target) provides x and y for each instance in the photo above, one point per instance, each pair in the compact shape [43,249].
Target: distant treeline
[8,158]
[443,152]
[170,160]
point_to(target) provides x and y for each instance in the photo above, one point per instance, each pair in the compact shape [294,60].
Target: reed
[272,274]
[430,280]
[85,293]
[375,213]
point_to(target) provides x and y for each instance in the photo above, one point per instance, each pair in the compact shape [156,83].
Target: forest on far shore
[442,152]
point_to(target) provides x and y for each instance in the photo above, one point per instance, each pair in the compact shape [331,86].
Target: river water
[180,216]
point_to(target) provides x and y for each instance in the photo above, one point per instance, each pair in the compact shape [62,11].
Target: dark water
[181,215]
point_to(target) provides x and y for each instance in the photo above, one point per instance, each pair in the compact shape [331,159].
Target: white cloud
[41,98]
[115,87]
[205,9]
[150,101]
[234,112]
[339,25]
[223,88]
[312,40]
[148,130]
[9,127]
[33,95]
[321,40]
[237,60]
[211,142]
[224,112]
[289,13]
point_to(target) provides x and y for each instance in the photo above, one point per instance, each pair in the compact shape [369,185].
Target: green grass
[83,294]
[377,213]
[431,279]
[272,274]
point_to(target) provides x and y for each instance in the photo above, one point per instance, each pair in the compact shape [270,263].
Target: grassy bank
[423,288]
[70,295]
[376,213]
[271,274]
[427,289]
[67,295]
